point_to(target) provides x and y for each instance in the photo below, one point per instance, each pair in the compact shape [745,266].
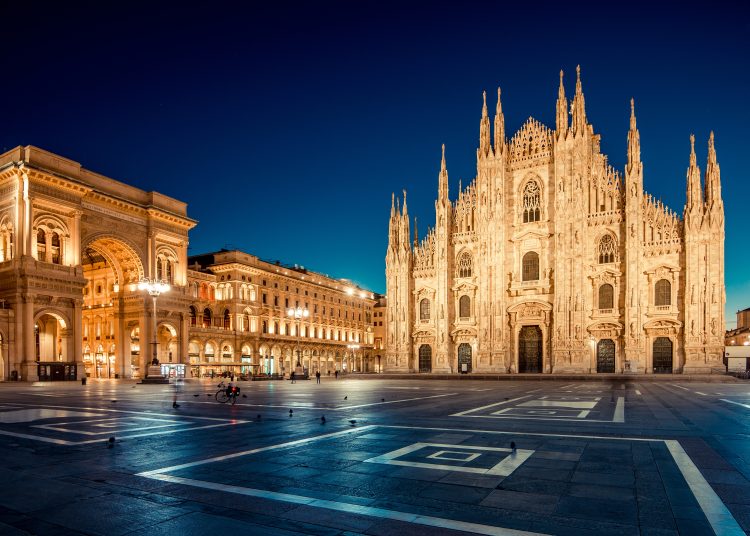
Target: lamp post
[298,313]
[154,288]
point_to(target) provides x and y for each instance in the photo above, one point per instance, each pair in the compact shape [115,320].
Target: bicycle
[225,394]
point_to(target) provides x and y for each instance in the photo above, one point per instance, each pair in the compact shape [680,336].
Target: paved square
[548,475]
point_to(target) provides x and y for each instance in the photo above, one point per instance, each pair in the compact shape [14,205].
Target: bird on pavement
[259,417]
[133,387]
[111,442]
[175,405]
[382,399]
[513,446]
[291,412]
[244,396]
[113,401]
[346,398]
[196,395]
[352,422]
[323,419]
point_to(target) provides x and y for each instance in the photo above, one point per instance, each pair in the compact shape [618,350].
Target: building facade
[552,261]
[239,321]
[73,247]
[740,335]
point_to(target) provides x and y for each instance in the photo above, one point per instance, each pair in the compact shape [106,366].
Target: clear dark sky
[285,127]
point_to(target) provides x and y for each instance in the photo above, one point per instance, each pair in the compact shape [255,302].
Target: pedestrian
[336,373]
[317,376]
[291,377]
[177,385]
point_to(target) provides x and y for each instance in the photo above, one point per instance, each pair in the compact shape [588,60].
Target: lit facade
[551,261]
[239,319]
[73,246]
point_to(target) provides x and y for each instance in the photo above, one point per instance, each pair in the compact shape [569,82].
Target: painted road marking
[463,413]
[735,403]
[719,517]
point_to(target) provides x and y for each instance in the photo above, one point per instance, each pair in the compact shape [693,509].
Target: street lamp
[154,288]
[298,313]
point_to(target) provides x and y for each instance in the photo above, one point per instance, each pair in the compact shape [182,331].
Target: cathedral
[552,261]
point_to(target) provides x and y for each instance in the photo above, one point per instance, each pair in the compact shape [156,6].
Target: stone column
[29,370]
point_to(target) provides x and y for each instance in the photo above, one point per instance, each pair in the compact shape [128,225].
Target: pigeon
[208,394]
[113,401]
[291,412]
[175,405]
[346,398]
[513,446]
[323,419]
[133,387]
[244,396]
[352,422]
[258,417]
[196,395]
[382,399]
[111,442]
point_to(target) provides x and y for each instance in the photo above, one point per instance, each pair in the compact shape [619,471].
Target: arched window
[606,296]
[663,293]
[464,264]
[227,319]
[55,245]
[264,327]
[41,245]
[169,275]
[530,267]
[193,315]
[209,352]
[464,307]
[607,249]
[424,309]
[160,269]
[206,317]
[195,290]
[276,328]
[531,202]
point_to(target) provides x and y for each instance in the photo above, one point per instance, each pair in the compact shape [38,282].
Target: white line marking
[350,508]
[736,403]
[253,451]
[505,467]
[716,512]
[391,402]
[699,393]
[679,386]
[461,414]
[619,410]
[638,392]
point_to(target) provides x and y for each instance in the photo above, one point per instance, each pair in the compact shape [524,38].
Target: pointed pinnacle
[499,108]
[632,114]
[442,161]
[578,79]
[711,148]
[484,104]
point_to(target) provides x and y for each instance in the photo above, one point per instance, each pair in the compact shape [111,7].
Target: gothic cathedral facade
[551,262]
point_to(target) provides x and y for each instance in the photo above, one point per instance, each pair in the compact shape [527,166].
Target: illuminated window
[531,202]
[663,293]
[464,307]
[530,267]
[424,309]
[607,249]
[464,264]
[606,296]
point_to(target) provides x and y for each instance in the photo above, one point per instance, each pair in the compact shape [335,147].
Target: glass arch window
[607,249]
[530,267]
[464,265]
[41,245]
[424,309]
[207,318]
[531,207]
[663,293]
[55,245]
[606,296]
[464,307]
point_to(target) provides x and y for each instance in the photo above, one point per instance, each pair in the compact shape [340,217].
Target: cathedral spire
[443,178]
[561,121]
[634,138]
[484,129]
[579,106]
[694,194]
[713,180]
[393,204]
[416,234]
[499,125]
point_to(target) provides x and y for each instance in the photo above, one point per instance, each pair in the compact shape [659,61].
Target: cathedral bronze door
[425,358]
[530,349]
[605,356]
[662,354]
[464,358]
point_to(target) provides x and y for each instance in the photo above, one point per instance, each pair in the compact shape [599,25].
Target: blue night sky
[285,127]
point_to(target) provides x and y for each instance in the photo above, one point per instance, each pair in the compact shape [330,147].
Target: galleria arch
[74,246]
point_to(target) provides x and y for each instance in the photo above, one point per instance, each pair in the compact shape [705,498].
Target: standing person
[336,374]
[317,376]
[177,385]
[291,377]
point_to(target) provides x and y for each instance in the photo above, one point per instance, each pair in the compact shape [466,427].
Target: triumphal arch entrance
[73,247]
